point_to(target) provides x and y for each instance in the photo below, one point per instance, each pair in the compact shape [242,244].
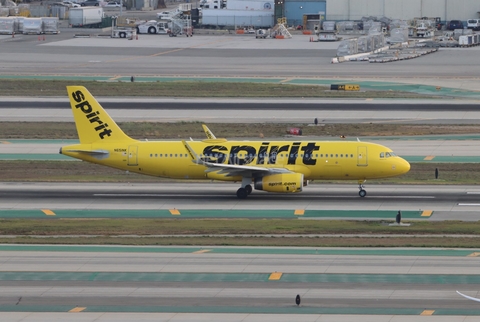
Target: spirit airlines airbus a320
[273,166]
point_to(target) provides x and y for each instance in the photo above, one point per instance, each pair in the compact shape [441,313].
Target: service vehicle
[473,24]
[113,4]
[71,4]
[88,3]
[153,27]
[124,32]
[455,24]
[165,15]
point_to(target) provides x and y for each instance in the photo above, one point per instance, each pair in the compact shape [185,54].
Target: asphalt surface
[23,298]
[447,202]
[217,280]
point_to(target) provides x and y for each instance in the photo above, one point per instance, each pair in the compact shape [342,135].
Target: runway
[447,202]
[240,284]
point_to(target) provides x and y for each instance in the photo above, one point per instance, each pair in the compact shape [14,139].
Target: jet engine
[281,182]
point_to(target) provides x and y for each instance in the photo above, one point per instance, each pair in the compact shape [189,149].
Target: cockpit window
[388,155]
[382,155]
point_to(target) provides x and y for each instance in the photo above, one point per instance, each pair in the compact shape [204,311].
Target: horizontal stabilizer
[97,154]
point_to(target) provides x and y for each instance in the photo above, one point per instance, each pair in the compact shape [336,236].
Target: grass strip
[191,88]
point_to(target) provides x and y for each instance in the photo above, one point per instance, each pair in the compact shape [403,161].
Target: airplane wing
[469,297]
[231,170]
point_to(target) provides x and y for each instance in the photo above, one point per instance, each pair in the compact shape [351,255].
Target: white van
[473,24]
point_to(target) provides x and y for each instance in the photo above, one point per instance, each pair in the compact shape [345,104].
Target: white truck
[86,16]
[153,27]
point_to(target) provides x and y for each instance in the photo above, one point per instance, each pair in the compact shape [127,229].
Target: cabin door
[132,155]
[362,156]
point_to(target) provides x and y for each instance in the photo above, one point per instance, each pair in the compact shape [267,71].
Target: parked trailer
[124,32]
[85,17]
[7,25]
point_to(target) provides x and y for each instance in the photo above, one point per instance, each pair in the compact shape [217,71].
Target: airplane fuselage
[316,160]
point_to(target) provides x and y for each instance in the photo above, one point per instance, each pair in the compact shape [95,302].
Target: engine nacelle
[282,182]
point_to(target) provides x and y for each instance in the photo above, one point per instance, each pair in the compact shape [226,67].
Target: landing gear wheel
[249,189]
[242,193]
[362,193]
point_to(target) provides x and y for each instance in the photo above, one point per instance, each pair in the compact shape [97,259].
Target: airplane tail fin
[92,121]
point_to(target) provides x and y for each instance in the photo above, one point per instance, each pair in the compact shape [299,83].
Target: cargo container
[7,25]
[32,26]
[50,25]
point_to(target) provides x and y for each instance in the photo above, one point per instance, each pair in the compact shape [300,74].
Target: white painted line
[473,193]
[469,204]
[127,195]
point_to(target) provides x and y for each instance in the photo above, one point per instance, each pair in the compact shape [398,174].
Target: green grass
[185,130]
[108,230]
[32,87]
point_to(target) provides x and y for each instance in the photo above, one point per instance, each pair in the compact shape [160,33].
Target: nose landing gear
[362,193]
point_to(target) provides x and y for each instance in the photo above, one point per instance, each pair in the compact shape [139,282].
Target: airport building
[339,10]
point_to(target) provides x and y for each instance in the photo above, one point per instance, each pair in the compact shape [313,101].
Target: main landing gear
[245,189]
[362,193]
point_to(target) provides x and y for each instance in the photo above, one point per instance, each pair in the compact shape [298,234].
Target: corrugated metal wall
[294,10]
[402,9]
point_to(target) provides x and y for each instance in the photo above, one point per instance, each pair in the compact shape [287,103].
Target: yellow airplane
[273,166]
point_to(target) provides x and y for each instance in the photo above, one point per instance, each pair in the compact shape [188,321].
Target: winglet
[208,133]
[195,158]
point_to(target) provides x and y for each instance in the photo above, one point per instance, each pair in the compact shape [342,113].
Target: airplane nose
[404,166]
